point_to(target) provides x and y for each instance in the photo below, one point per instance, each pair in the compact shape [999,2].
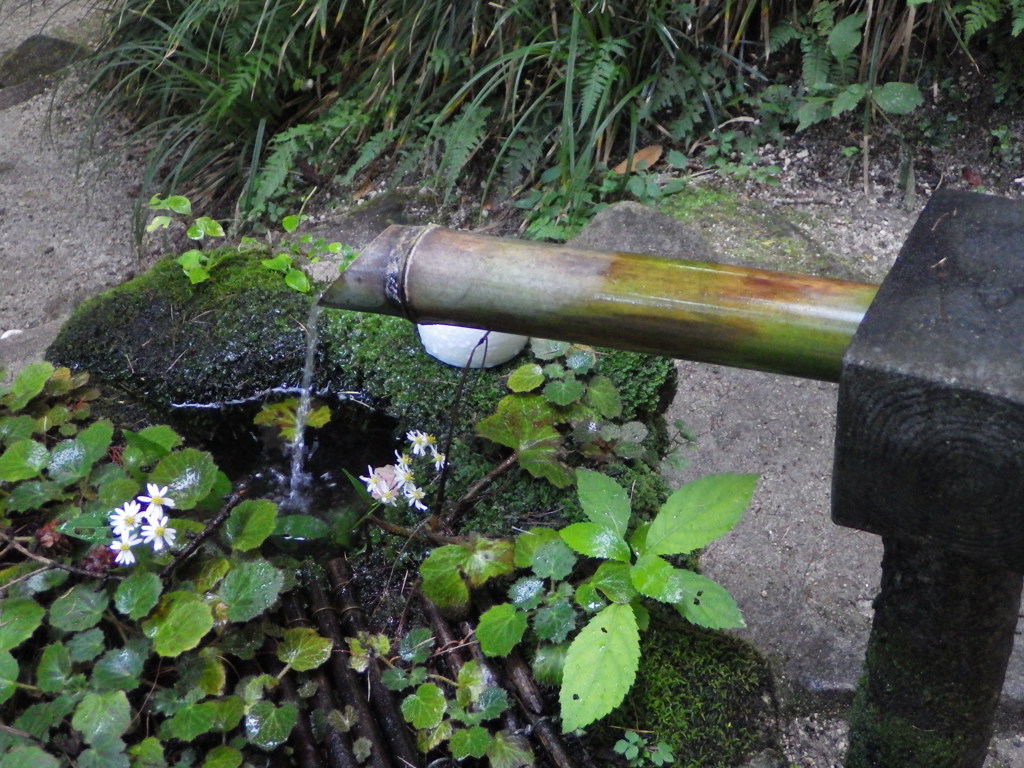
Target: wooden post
[930,454]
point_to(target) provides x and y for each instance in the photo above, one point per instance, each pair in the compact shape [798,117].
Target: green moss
[705,693]
[880,738]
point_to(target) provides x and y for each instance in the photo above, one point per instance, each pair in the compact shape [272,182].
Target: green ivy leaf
[500,629]
[23,460]
[181,620]
[470,742]
[707,603]
[595,540]
[177,203]
[699,512]
[525,378]
[80,608]
[250,523]
[209,227]
[442,575]
[222,756]
[8,676]
[553,623]
[54,668]
[27,384]
[897,98]
[188,475]
[101,716]
[136,595]
[251,588]
[603,395]
[604,501]
[303,649]
[29,757]
[424,708]
[280,262]
[291,222]
[267,726]
[525,424]
[600,667]
[563,392]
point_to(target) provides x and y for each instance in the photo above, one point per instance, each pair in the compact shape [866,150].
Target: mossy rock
[186,352]
[705,693]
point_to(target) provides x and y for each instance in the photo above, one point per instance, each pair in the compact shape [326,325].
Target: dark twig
[50,563]
[476,490]
[211,527]
[307,754]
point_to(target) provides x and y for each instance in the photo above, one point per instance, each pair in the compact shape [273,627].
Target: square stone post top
[930,431]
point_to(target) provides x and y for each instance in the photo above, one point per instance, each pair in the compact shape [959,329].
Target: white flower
[404,477]
[383,483]
[124,520]
[420,442]
[157,500]
[414,495]
[387,496]
[439,460]
[403,460]
[123,547]
[157,533]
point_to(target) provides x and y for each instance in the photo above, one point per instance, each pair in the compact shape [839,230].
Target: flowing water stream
[300,481]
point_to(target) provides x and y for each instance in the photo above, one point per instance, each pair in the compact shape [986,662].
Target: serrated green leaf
[527,543]
[23,460]
[897,98]
[222,756]
[29,757]
[509,750]
[588,598]
[848,98]
[267,726]
[121,668]
[102,715]
[416,646]
[80,608]
[600,667]
[424,708]
[470,684]
[136,595]
[553,623]
[547,664]
[189,476]
[470,742]
[27,384]
[699,513]
[595,540]
[54,668]
[38,719]
[303,649]
[250,523]
[215,716]
[525,378]
[181,620]
[395,679]
[563,392]
[488,558]
[846,35]
[429,739]
[14,428]
[525,424]
[500,629]
[526,592]
[34,494]
[86,646]
[251,588]
[612,579]
[68,462]
[603,395]
[604,501]
[148,753]
[580,360]
[202,672]
[707,603]
[8,676]
[442,575]
[553,559]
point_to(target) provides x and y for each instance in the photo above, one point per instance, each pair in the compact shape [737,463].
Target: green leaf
[119,669]
[148,753]
[86,646]
[136,595]
[301,527]
[188,475]
[603,395]
[14,428]
[8,676]
[267,726]
[96,439]
[102,715]
[600,667]
[181,620]
[23,460]
[54,668]
[612,579]
[222,756]
[845,35]
[250,523]
[291,223]
[424,708]
[470,742]
[553,559]
[526,592]
[509,750]
[303,649]
[80,608]
[699,512]
[500,629]
[487,559]
[29,757]
[527,543]
[209,227]
[553,623]
[442,575]
[280,262]
[297,280]
[215,716]
[34,494]
[250,589]
[525,378]
[564,392]
[580,360]
[177,203]
[897,98]
[545,349]
[595,540]
[27,384]
[848,98]
[68,462]
[707,603]
[525,424]
[603,500]
[416,646]
[547,664]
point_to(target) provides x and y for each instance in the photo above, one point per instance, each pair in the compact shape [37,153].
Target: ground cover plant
[529,100]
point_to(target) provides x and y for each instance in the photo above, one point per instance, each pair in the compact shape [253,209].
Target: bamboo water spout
[714,313]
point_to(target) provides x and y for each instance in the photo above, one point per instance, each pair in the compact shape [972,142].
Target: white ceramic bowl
[453,345]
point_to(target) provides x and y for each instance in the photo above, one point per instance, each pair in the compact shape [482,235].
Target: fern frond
[599,70]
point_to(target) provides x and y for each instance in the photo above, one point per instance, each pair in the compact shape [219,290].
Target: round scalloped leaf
[80,608]
[102,715]
[564,392]
[604,396]
[217,715]
[470,742]
[424,708]
[29,757]
[250,523]
[526,377]
[54,668]
[500,629]
[181,621]
[27,384]
[119,669]
[553,623]
[8,676]
[250,589]
[19,618]
[267,726]
[222,756]
[189,476]
[23,460]
[136,595]
[303,649]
